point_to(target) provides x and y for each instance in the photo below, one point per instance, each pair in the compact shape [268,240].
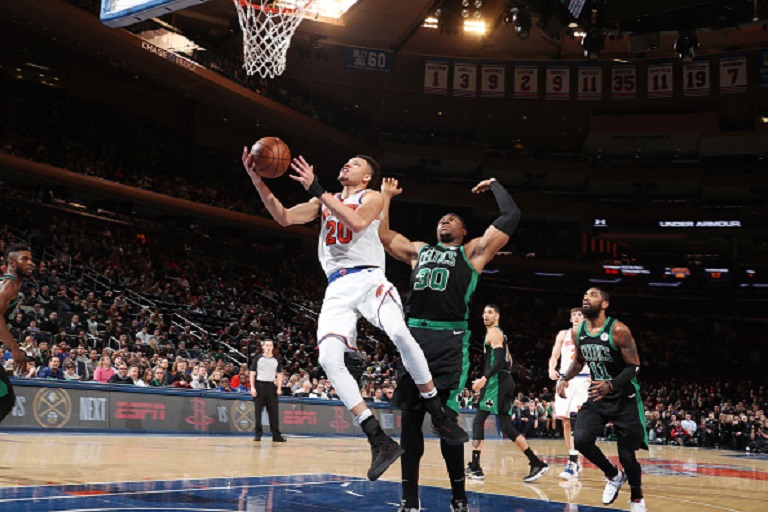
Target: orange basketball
[271,157]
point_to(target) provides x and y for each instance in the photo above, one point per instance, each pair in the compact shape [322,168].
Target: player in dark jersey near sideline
[609,349]
[497,396]
[19,266]
[443,278]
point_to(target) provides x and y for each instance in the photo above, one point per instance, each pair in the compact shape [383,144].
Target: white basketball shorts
[575,395]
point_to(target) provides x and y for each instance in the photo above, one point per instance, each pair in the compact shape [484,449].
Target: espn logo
[300,418]
[139,411]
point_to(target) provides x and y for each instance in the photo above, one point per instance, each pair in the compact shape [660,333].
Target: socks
[573,456]
[532,458]
[475,459]
[429,394]
[363,416]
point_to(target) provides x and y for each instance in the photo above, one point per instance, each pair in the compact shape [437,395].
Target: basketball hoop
[268,26]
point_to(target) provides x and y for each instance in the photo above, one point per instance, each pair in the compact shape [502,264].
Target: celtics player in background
[443,279]
[497,396]
[19,266]
[607,346]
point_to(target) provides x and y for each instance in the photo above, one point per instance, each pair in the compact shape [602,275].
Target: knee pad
[505,422]
[582,440]
[478,426]
[411,436]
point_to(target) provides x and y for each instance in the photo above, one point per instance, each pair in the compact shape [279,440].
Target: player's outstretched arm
[299,214]
[482,250]
[556,349]
[396,244]
[356,220]
[7,294]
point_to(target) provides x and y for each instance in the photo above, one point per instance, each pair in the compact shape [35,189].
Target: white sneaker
[403,508]
[612,487]
[571,471]
[637,506]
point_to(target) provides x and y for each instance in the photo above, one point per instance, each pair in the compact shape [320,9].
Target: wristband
[315,189]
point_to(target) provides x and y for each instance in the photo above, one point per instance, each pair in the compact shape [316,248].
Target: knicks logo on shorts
[380,290]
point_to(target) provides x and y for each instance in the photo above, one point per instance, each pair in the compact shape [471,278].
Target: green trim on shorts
[453,396]
[491,393]
[436,325]
[640,409]
[3,389]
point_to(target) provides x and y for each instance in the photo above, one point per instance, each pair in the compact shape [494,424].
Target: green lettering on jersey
[434,278]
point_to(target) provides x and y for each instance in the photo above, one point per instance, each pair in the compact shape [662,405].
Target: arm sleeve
[498,358]
[510,213]
[626,375]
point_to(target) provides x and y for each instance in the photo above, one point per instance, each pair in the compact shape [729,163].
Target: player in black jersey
[19,266]
[442,282]
[609,349]
[497,396]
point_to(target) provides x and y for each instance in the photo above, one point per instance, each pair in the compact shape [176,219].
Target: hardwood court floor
[48,471]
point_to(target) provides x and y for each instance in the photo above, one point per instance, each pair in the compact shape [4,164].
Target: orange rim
[271,10]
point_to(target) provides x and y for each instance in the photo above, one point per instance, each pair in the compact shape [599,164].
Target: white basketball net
[268,26]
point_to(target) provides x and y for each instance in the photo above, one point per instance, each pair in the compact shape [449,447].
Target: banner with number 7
[733,73]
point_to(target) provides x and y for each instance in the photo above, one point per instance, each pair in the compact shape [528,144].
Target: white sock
[360,418]
[573,452]
[429,394]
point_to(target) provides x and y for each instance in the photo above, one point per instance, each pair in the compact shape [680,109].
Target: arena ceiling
[631,28]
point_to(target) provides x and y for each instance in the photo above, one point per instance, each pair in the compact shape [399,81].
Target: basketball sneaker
[406,508]
[384,451]
[460,505]
[571,471]
[612,487]
[637,506]
[475,473]
[537,471]
[447,429]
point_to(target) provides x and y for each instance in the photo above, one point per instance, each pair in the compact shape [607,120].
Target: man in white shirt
[689,426]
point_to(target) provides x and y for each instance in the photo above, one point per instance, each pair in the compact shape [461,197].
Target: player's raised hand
[305,173]
[248,163]
[483,186]
[562,385]
[390,187]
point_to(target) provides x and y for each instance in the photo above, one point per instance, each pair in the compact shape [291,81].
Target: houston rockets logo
[199,419]
[340,423]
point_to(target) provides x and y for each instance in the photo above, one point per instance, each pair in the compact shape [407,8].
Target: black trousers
[266,395]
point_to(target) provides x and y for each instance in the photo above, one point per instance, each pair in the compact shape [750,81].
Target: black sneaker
[384,452]
[257,438]
[459,505]
[537,471]
[476,474]
[280,439]
[447,429]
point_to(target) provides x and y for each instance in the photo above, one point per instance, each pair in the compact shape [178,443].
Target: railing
[178,320]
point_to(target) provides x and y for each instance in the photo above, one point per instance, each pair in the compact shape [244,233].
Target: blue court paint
[295,493]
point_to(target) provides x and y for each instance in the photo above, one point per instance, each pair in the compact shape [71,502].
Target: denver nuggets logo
[379,291]
[52,408]
[241,413]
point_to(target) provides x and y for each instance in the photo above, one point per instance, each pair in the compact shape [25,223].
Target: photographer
[758,437]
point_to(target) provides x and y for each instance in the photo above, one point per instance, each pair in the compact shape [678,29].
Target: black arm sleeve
[510,213]
[626,375]
[498,362]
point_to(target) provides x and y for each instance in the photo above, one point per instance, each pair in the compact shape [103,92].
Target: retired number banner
[696,78]
[590,83]
[464,79]
[558,83]
[624,82]
[733,73]
[436,77]
[660,80]
[526,81]
[492,81]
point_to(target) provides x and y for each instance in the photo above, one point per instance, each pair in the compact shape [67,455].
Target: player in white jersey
[352,257]
[564,349]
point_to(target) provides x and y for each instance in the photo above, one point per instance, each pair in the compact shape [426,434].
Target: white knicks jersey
[339,247]
[568,354]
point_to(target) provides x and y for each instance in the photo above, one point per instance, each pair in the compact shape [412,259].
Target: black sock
[372,428]
[475,459]
[636,493]
[532,458]
[574,458]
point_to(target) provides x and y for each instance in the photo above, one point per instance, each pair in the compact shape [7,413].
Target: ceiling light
[593,43]
[523,24]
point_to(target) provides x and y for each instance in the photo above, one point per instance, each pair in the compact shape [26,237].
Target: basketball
[271,157]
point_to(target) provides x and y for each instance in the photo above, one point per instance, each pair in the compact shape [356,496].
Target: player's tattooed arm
[623,339]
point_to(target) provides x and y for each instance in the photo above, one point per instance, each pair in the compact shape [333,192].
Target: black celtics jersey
[442,284]
[604,357]
[489,358]
[12,306]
